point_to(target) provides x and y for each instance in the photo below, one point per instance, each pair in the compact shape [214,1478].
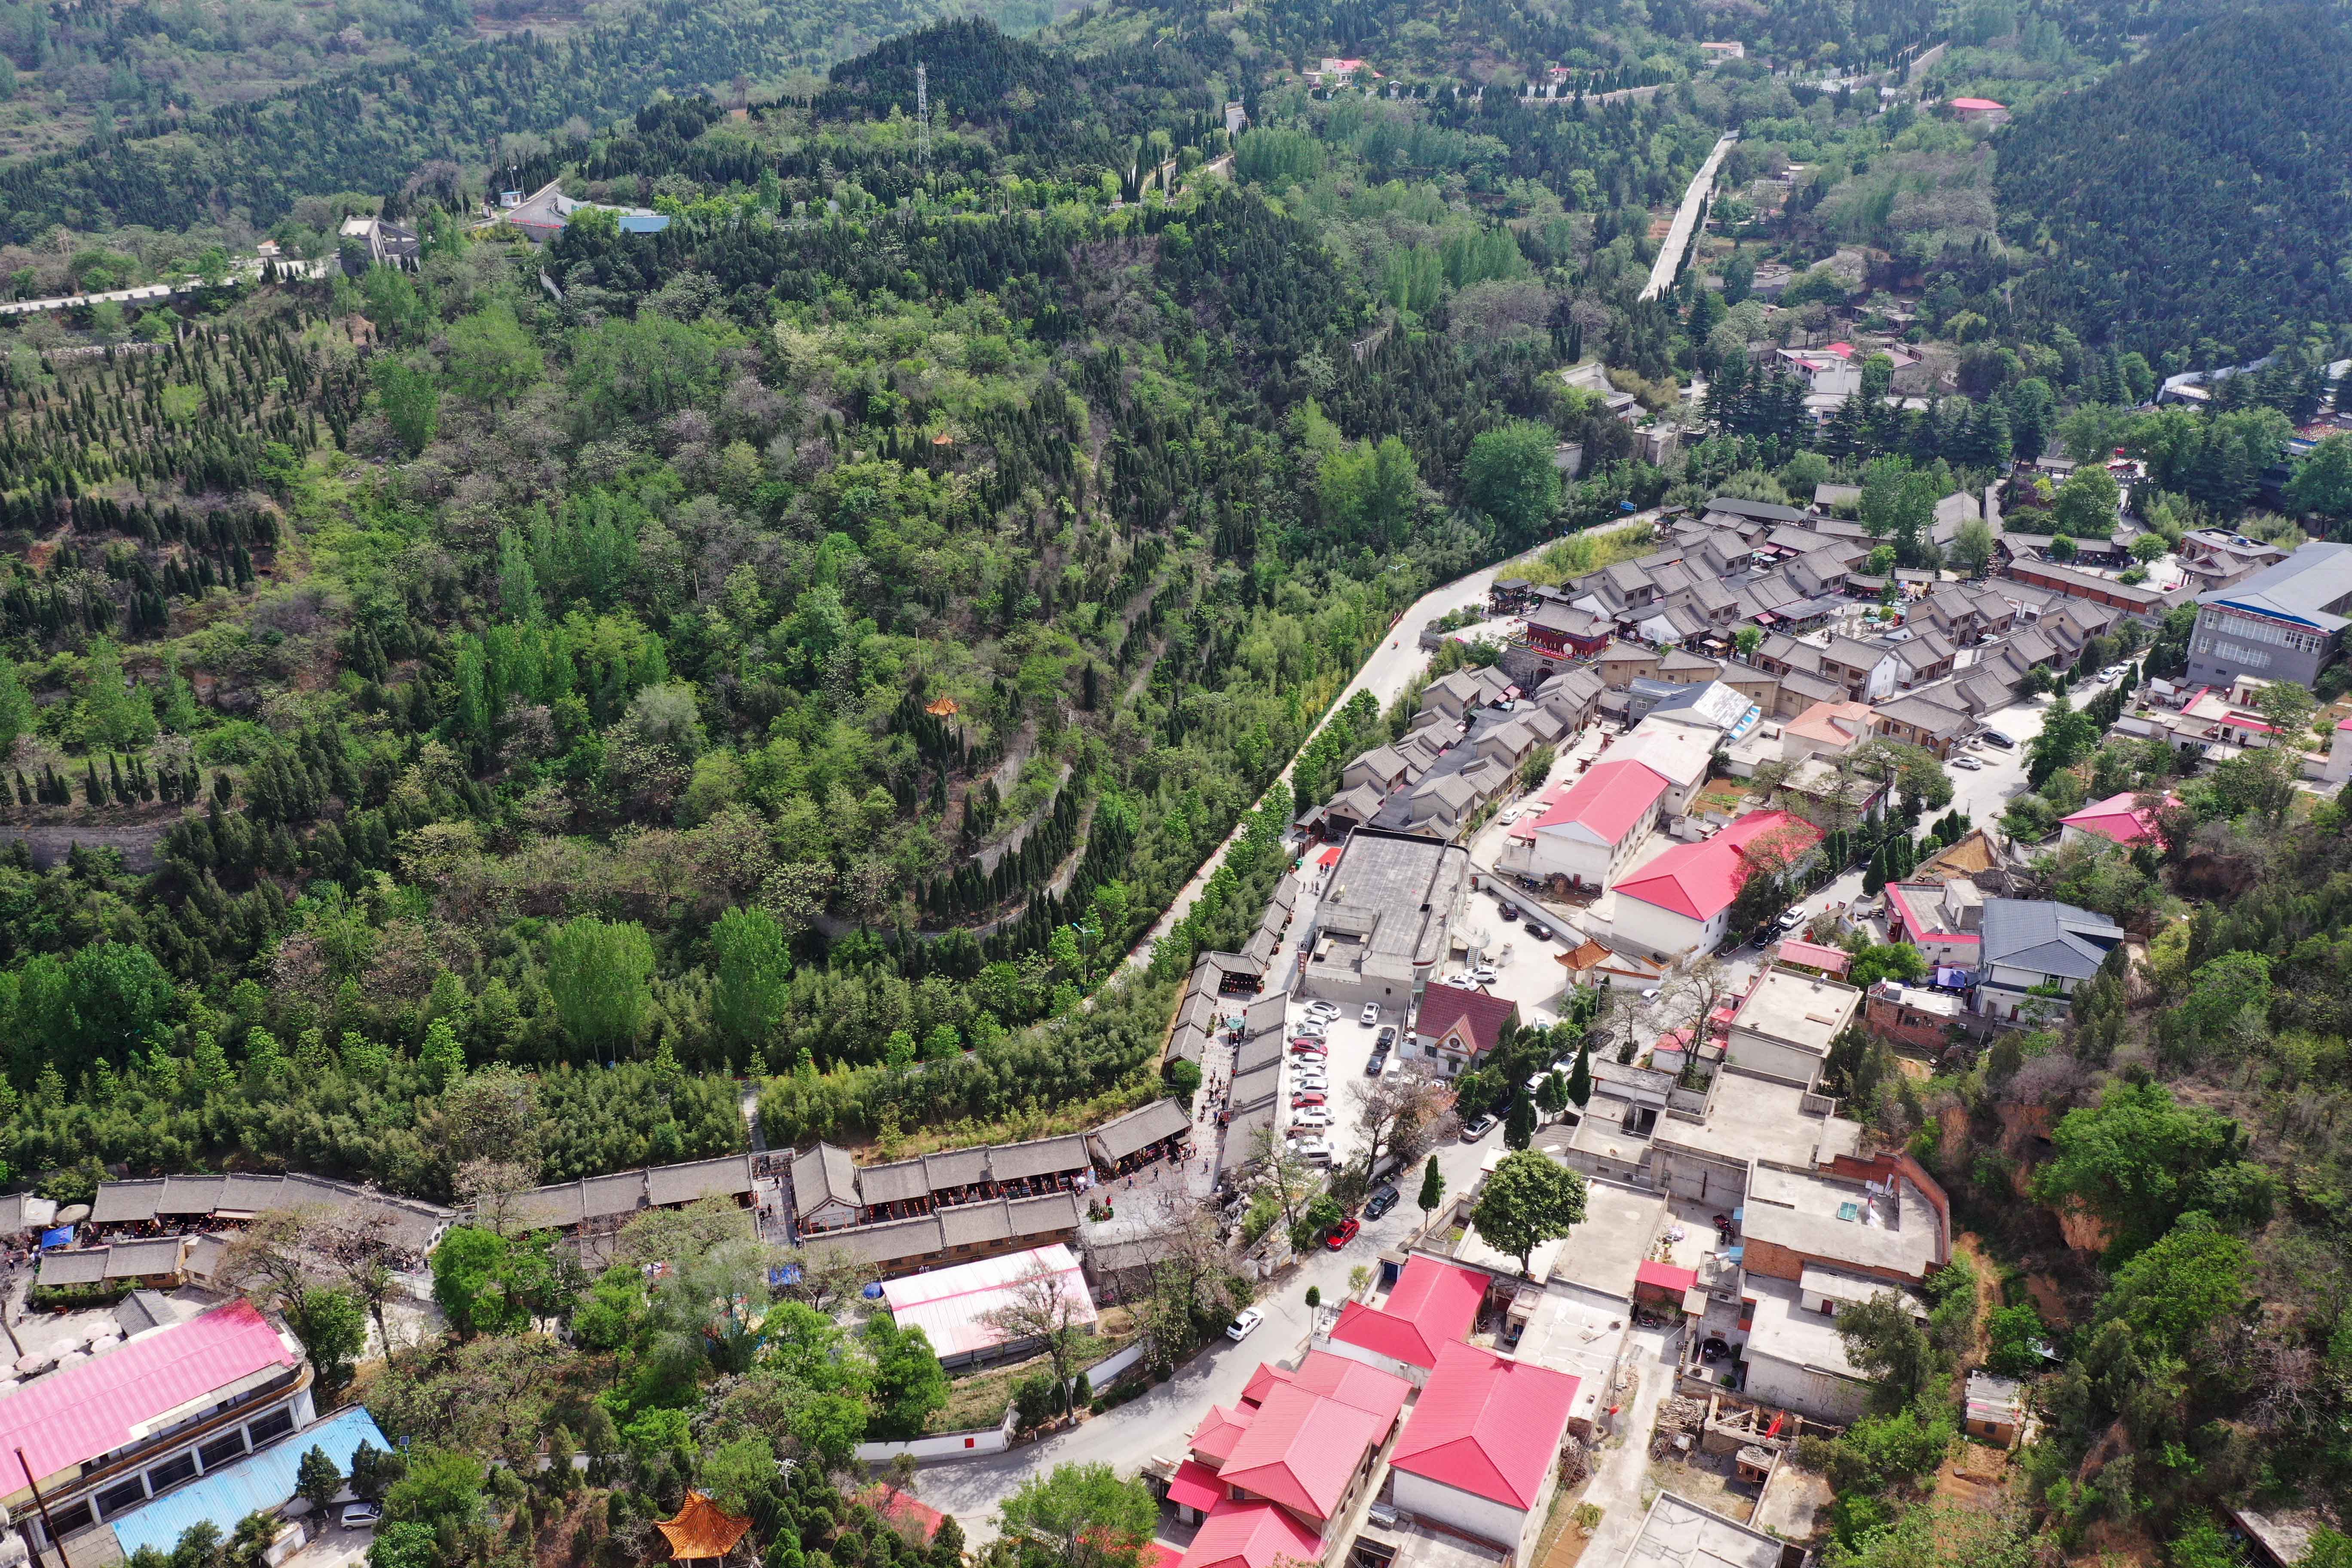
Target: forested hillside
[453,99]
[2192,197]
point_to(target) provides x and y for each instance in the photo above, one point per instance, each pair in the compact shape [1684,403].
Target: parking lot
[1349,1043]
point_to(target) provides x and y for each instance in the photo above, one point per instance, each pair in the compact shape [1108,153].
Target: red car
[1344,1233]
[1305,1097]
[1307,1048]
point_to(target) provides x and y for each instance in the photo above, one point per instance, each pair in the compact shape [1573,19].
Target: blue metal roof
[253,1485]
[644,223]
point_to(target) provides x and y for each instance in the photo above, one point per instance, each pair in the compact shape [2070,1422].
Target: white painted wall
[944,1445]
[1805,1390]
[1771,1058]
[1661,932]
[1473,1515]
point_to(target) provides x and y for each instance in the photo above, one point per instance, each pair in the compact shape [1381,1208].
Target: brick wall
[1893,1022]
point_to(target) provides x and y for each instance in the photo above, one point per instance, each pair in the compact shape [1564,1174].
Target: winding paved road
[1386,674]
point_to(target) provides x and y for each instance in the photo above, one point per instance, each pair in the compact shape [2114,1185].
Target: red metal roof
[1251,1535]
[1665,1276]
[1608,801]
[1196,1486]
[1368,1388]
[1432,1303]
[76,1415]
[1300,1451]
[1266,1376]
[899,1509]
[1221,1430]
[1700,880]
[1976,103]
[1487,1425]
[1160,1554]
[2117,817]
[1813,956]
[1481,1013]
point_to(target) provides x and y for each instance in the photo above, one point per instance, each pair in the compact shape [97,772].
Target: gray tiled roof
[1123,1135]
[729,1175]
[87,1268]
[823,1173]
[1038,1157]
[2046,937]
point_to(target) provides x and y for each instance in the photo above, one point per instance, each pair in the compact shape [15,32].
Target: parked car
[1305,1098]
[1303,1047]
[1386,1038]
[1369,1015]
[2110,673]
[1313,1081]
[1376,1064]
[1322,1012]
[1790,919]
[1475,1129]
[1651,995]
[362,1515]
[1310,1116]
[1461,982]
[1316,1150]
[1485,975]
[1384,1198]
[1244,1324]
[1508,914]
[1997,738]
[1342,1233]
[1968,764]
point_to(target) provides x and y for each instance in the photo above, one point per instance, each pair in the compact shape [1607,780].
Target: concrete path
[1621,1476]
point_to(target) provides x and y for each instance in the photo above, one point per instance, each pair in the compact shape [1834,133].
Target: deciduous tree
[1529,1199]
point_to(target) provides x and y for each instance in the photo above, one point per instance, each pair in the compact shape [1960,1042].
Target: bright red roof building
[1700,880]
[1813,956]
[1487,1425]
[1268,1377]
[1195,1486]
[1432,1304]
[1251,1535]
[1604,805]
[906,1512]
[2118,819]
[1481,1013]
[1301,1450]
[72,1417]
[1665,1276]
[1160,1554]
[1978,104]
[1221,1432]
[1368,1388]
